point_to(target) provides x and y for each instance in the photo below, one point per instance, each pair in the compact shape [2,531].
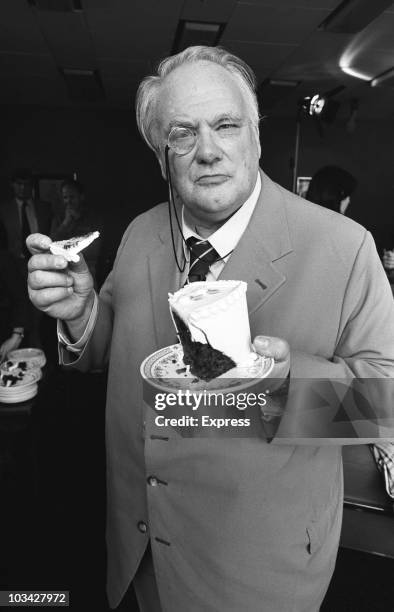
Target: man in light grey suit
[221,525]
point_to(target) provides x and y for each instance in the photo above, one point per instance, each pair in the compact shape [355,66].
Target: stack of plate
[19,375]
[34,357]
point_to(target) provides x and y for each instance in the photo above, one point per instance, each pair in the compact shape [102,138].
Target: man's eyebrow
[228,117]
[180,123]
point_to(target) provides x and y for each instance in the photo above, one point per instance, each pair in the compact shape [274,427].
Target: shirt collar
[226,238]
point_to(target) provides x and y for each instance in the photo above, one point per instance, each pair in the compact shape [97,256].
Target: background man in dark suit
[23,214]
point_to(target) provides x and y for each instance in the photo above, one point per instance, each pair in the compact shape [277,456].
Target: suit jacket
[15,308]
[237,524]
[9,217]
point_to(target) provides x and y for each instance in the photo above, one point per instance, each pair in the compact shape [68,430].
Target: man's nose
[208,150]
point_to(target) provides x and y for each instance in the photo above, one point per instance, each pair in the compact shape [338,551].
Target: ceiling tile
[19,30]
[126,70]
[262,58]
[33,89]
[68,39]
[329,5]
[124,38]
[21,64]
[318,57]
[130,30]
[272,24]
[218,11]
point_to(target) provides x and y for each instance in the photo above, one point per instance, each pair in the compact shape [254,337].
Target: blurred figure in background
[78,220]
[332,187]
[388,264]
[15,308]
[23,214]
[20,215]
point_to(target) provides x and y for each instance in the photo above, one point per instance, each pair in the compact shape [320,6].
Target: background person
[15,308]
[221,524]
[332,188]
[23,214]
[20,215]
[78,220]
[388,263]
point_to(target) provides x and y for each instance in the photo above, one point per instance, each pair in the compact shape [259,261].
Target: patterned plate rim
[148,363]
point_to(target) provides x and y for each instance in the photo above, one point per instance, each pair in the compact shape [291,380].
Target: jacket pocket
[313,539]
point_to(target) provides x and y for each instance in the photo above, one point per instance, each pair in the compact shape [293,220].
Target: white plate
[10,366]
[29,377]
[27,394]
[165,368]
[35,357]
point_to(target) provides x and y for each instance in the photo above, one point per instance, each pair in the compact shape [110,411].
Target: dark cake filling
[205,361]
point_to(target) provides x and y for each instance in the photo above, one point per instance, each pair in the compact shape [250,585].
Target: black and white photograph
[197,305]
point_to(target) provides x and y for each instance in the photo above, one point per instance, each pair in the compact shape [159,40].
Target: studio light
[320,107]
[314,105]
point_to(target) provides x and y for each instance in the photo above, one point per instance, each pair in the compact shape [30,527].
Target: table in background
[53,483]
[368,517]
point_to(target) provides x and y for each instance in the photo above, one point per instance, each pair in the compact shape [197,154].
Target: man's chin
[214,212]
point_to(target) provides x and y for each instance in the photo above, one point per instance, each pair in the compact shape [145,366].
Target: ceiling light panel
[83,85]
[191,33]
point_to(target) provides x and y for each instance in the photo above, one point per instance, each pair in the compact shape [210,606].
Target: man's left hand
[279,350]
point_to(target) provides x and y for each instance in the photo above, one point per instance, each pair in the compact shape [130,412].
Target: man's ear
[258,142]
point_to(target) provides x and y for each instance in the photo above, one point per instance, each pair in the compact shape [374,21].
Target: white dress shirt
[226,238]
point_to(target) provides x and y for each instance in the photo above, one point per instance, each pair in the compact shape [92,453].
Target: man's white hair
[150,85]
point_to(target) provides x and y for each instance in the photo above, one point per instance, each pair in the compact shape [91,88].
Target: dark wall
[122,177]
[120,174]
[368,153]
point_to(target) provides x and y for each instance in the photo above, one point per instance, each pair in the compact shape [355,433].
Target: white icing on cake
[217,311]
[71,247]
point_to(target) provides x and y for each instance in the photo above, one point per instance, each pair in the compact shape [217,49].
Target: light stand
[296,149]
[310,106]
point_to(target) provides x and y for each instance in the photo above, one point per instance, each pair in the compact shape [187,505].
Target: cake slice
[71,247]
[212,322]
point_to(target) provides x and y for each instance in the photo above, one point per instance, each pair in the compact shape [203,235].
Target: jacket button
[142,527]
[152,481]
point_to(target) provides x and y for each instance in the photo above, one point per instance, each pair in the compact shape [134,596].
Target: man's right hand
[59,288]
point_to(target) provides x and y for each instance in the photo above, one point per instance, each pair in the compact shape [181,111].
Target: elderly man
[214,525]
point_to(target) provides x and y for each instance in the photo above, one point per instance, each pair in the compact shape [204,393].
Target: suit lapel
[13,225]
[265,241]
[164,278]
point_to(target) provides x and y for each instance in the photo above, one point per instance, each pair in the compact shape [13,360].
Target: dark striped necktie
[202,256]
